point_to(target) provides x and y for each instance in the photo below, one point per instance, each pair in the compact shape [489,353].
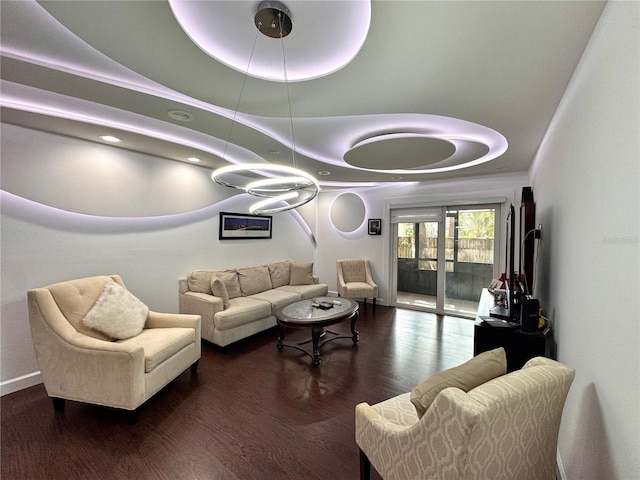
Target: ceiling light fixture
[194,159]
[180,115]
[110,139]
[285,188]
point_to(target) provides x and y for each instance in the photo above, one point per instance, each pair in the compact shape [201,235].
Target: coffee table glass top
[304,309]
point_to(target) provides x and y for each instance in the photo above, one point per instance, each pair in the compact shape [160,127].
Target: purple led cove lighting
[30,99]
[344,133]
[52,217]
[57,218]
[332,36]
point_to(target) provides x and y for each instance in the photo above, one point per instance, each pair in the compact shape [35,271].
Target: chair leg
[365,467]
[194,366]
[58,404]
[374,304]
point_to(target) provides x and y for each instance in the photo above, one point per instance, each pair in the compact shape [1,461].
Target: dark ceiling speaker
[273,19]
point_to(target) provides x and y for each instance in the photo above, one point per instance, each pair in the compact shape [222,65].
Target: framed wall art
[375,226]
[244,226]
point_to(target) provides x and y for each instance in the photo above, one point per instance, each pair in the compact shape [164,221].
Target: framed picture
[375,226]
[241,226]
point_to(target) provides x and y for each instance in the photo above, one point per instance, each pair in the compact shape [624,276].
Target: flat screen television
[508,311]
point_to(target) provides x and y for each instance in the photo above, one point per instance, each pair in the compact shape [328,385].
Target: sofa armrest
[183,286]
[316,280]
[201,304]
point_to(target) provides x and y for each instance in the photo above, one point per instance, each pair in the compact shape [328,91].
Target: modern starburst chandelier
[280,187]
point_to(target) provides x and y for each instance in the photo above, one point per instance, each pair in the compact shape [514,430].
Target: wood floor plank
[250,413]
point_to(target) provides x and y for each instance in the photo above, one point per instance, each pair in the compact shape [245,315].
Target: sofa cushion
[301,274]
[117,313]
[480,369]
[230,280]
[277,298]
[199,281]
[254,279]
[280,273]
[219,290]
[307,291]
[242,310]
[160,344]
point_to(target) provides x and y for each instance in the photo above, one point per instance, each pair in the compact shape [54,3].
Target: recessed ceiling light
[274,152]
[324,172]
[180,115]
[194,159]
[110,138]
[397,177]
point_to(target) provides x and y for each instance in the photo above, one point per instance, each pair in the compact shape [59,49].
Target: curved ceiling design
[320,43]
[408,96]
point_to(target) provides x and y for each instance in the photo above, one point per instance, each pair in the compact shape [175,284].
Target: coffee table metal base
[317,333]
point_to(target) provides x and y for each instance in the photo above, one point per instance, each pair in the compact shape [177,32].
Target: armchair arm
[341,283]
[167,320]
[368,277]
[435,446]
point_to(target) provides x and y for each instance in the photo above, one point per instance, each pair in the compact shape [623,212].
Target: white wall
[358,244]
[72,208]
[586,183]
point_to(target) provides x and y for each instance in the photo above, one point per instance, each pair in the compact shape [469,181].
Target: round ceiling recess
[393,151]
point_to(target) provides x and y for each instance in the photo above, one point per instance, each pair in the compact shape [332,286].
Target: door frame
[391,239]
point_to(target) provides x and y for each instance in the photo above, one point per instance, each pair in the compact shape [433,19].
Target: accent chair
[504,428]
[355,280]
[96,343]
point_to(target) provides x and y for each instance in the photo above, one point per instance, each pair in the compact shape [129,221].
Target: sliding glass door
[442,257]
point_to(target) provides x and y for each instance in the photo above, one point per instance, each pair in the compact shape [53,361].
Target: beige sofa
[237,303]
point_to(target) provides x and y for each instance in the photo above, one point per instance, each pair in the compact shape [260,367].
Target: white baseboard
[560,473]
[20,383]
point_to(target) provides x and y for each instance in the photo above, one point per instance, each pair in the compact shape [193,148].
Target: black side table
[519,346]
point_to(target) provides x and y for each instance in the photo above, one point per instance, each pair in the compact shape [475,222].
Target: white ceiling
[434,85]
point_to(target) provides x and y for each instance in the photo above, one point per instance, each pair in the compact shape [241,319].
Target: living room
[153,220]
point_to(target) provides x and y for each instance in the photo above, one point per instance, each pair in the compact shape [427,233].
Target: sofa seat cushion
[277,298]
[254,280]
[307,291]
[160,344]
[242,310]
[358,289]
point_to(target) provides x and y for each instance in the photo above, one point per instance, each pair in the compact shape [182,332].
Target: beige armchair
[506,428]
[355,281]
[91,363]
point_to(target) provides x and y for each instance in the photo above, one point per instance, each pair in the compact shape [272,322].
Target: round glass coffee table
[317,314]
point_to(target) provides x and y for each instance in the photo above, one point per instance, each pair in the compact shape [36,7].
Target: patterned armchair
[355,281]
[506,428]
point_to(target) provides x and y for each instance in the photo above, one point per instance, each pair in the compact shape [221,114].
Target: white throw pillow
[117,313]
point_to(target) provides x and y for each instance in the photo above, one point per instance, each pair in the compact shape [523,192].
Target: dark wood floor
[250,413]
